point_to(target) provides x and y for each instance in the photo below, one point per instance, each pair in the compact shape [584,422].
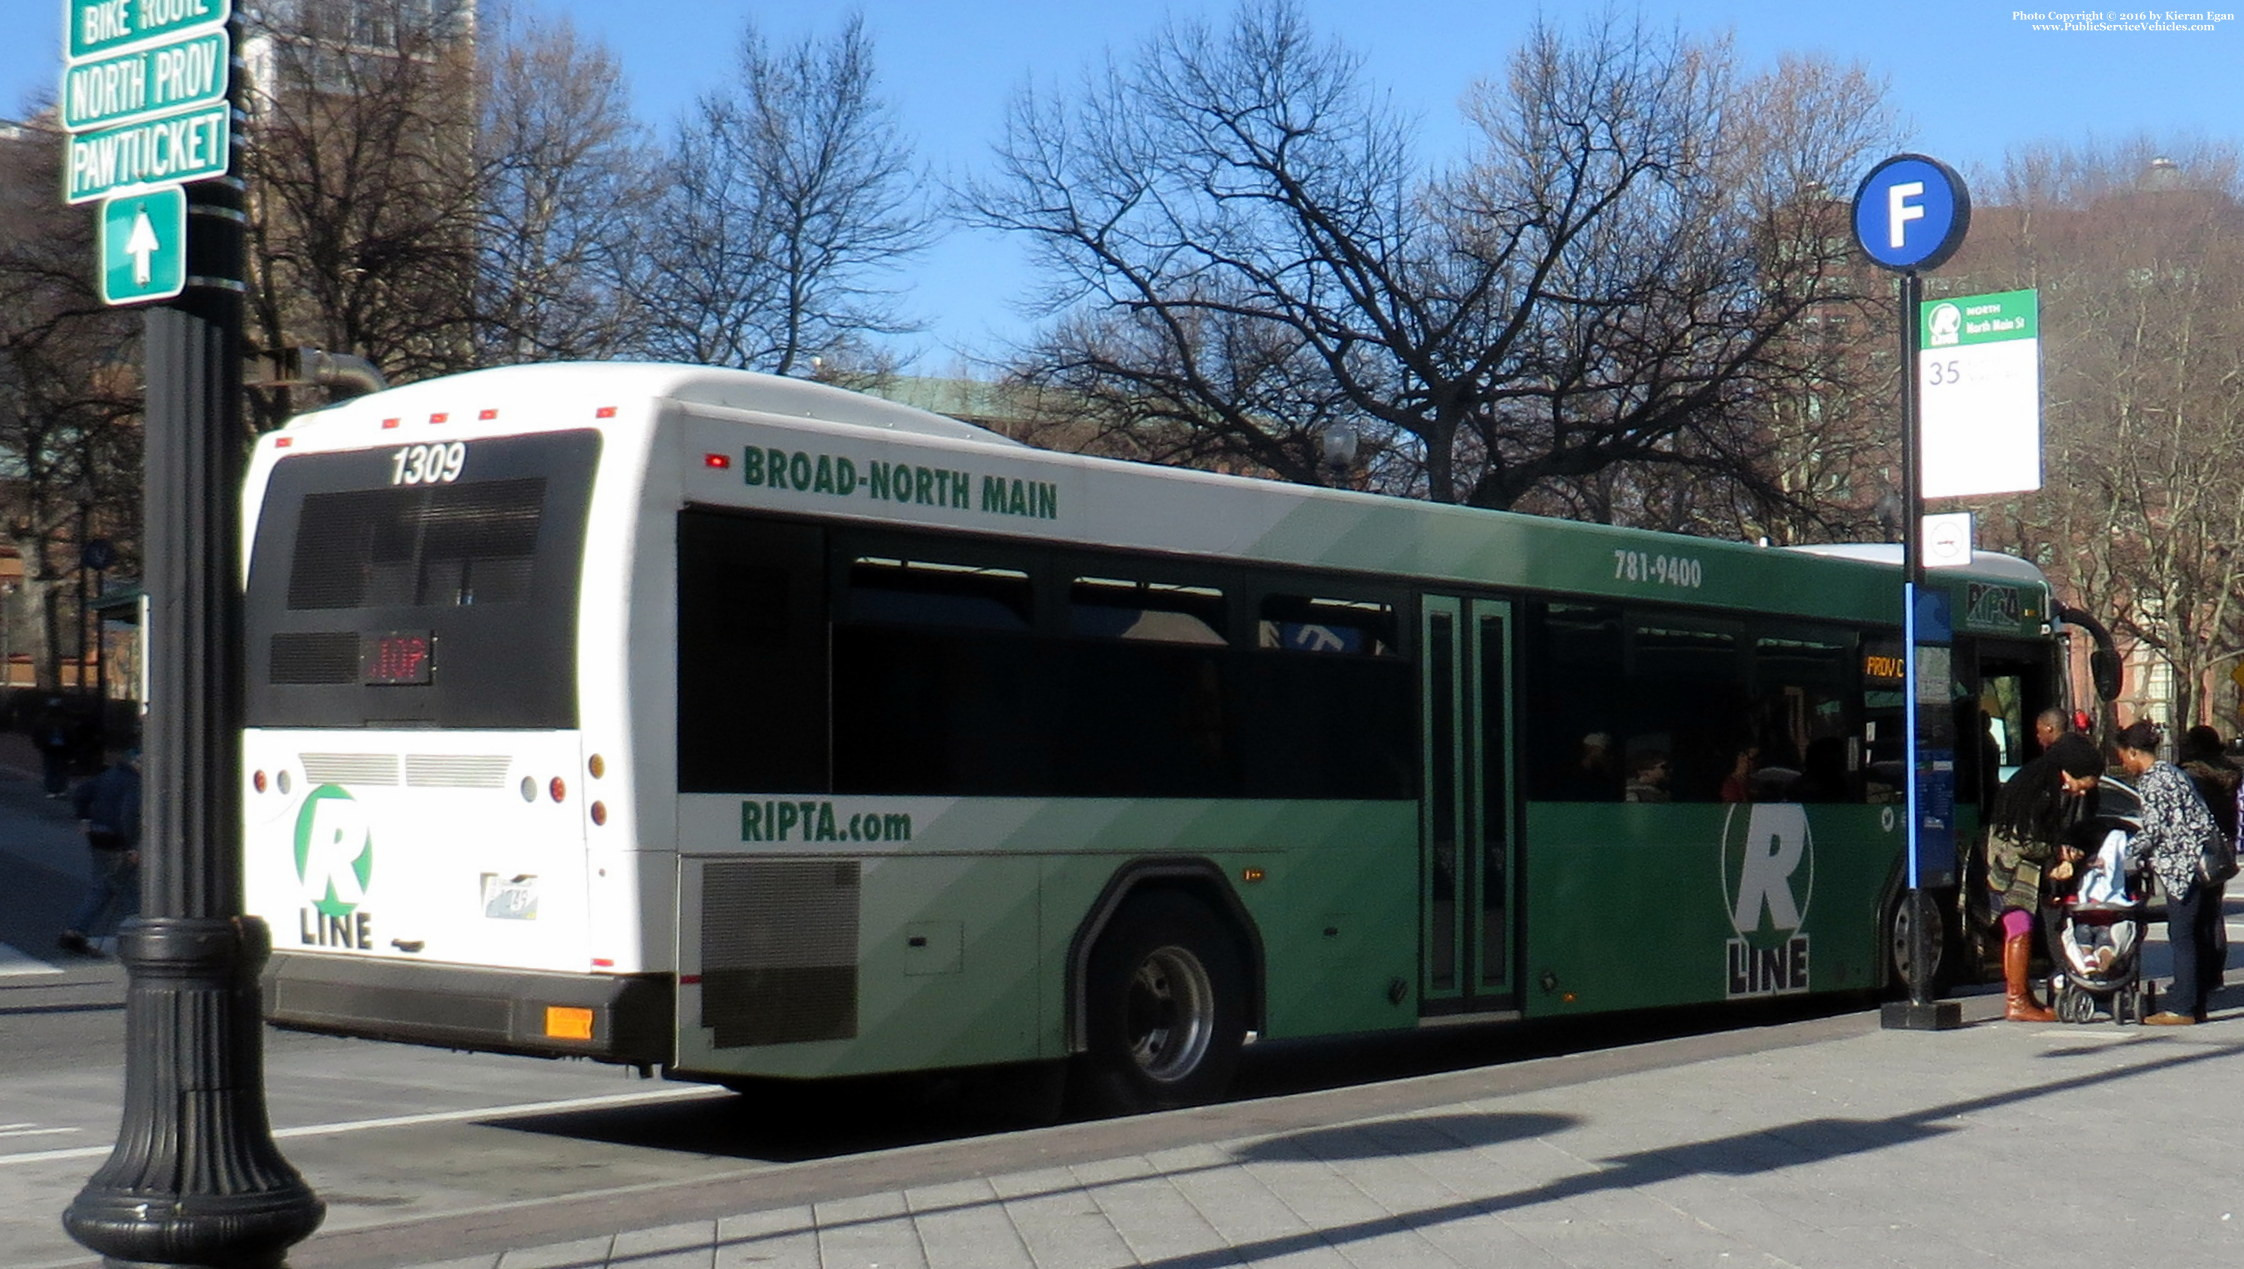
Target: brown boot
[2017,955]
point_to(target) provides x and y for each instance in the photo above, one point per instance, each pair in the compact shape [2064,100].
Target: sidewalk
[1821,1143]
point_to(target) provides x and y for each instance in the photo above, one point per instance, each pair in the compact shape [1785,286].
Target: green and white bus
[743,727]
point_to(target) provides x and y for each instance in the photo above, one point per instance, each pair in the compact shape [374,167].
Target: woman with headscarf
[2176,823]
[2025,840]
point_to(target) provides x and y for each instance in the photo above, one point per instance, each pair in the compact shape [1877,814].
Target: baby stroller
[2096,934]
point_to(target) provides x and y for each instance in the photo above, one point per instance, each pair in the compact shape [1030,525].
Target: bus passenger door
[1466,886]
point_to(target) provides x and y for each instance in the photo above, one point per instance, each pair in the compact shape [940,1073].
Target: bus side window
[1145,687]
[1296,623]
[751,655]
[1686,691]
[1801,719]
[1575,689]
[924,593]
[1155,612]
[1326,702]
[935,678]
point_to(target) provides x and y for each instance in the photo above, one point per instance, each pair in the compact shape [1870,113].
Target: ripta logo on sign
[1768,876]
[335,862]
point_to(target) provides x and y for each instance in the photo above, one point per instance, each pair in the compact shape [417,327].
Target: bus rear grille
[456,771]
[779,951]
[349,768]
[326,656]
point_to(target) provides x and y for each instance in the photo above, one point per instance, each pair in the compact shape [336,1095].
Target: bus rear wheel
[1164,1008]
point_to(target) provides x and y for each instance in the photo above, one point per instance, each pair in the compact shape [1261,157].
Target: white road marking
[405,1121]
[15,962]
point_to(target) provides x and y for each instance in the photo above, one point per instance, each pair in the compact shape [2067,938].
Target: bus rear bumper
[610,1018]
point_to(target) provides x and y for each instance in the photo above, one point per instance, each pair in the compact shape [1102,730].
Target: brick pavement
[1999,1144]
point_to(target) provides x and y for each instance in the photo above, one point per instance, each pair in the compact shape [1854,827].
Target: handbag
[2216,858]
[2014,869]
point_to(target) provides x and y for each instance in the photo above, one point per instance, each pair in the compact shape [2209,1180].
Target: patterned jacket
[2175,826]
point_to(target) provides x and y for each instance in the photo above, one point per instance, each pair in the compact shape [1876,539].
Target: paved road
[1818,1142]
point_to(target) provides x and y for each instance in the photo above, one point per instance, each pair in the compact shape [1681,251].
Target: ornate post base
[195,1179]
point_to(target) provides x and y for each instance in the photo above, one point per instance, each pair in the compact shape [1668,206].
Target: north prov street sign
[145,82]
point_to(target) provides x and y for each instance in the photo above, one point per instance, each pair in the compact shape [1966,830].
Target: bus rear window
[388,593]
[449,546]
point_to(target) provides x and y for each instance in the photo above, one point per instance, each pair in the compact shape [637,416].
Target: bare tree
[69,402]
[1813,414]
[789,199]
[364,200]
[2138,255]
[1244,251]
[564,197]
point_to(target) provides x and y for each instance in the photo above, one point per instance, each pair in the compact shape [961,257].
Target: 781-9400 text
[1665,570]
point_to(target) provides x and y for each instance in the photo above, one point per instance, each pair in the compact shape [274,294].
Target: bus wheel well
[1164,1003]
[1141,881]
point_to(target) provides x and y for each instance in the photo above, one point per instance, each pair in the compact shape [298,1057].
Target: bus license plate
[510,898]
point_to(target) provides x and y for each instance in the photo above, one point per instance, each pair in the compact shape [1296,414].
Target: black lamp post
[195,1178]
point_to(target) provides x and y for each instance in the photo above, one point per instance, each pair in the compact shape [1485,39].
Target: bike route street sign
[144,246]
[98,27]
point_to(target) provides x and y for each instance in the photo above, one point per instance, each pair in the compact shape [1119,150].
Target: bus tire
[1164,1001]
[1897,936]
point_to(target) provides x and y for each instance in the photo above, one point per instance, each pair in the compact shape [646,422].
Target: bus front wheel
[1164,1008]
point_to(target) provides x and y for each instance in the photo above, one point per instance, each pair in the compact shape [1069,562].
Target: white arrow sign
[141,244]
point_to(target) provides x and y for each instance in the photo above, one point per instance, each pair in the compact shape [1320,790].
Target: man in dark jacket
[2204,759]
[109,814]
[54,734]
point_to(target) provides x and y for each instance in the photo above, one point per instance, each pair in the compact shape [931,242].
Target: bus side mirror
[2103,656]
[2103,670]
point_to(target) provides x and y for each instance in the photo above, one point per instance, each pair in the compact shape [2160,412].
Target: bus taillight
[557,789]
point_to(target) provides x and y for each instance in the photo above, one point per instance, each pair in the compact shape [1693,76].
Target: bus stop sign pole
[195,1177]
[1910,214]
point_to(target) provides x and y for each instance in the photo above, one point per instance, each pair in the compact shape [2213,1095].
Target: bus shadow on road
[794,1121]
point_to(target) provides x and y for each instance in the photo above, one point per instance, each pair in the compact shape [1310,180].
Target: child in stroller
[2098,920]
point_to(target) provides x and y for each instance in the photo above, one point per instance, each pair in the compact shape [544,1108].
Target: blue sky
[1971,77]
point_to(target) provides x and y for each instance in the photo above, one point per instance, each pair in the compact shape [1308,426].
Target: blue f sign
[1911,213]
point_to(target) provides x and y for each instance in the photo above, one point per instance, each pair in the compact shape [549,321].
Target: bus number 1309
[1667,570]
[428,464]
